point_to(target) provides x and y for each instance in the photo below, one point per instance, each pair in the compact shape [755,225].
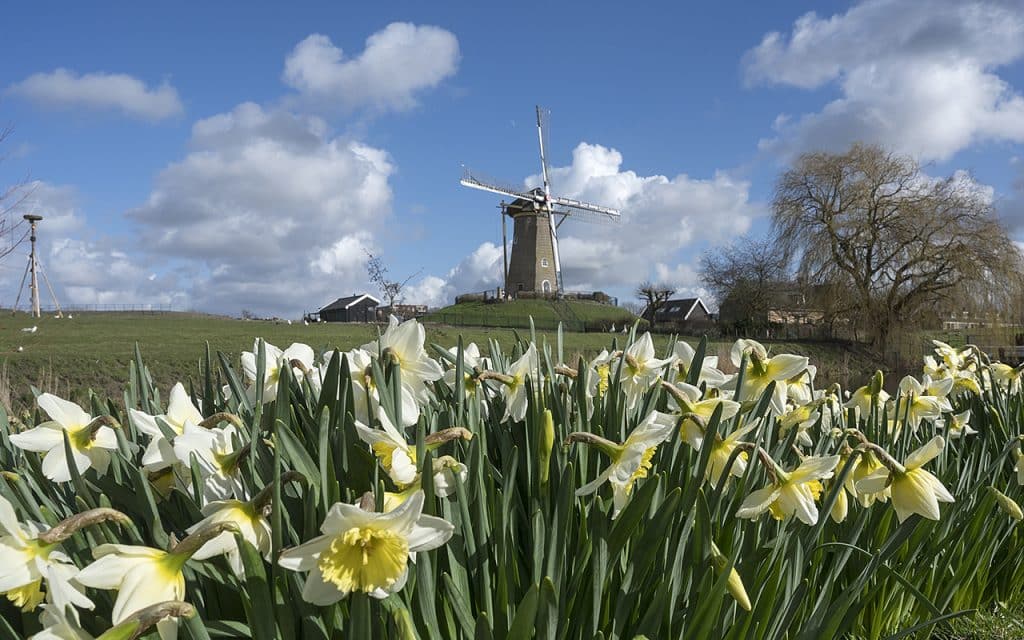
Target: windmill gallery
[534,267]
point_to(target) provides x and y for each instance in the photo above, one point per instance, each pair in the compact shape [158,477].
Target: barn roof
[349,302]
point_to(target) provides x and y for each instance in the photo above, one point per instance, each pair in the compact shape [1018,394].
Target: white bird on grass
[31,329]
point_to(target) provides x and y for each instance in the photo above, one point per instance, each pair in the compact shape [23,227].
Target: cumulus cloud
[84,270]
[479,271]
[273,212]
[665,221]
[63,88]
[397,62]
[919,77]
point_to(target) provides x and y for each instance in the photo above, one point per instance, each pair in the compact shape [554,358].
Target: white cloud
[272,212]
[479,271]
[83,270]
[664,221]
[118,91]
[918,77]
[397,62]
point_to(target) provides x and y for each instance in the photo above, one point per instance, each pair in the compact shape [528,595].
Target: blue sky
[228,156]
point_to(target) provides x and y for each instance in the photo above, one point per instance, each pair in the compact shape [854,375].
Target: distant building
[780,303]
[402,311]
[354,308]
[684,313]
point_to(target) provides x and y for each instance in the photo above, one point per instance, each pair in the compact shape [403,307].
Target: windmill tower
[535,265]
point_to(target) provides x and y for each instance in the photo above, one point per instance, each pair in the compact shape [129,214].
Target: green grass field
[92,350]
[546,314]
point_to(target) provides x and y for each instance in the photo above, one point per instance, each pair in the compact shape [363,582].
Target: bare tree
[654,297]
[390,289]
[13,229]
[743,276]
[893,240]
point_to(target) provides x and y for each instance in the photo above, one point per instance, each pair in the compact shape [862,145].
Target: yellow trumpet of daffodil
[913,489]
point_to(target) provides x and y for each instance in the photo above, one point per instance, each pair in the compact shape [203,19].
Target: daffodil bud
[734,583]
[1007,504]
[545,443]
[877,382]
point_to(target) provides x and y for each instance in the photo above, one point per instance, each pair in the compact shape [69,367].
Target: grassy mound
[575,315]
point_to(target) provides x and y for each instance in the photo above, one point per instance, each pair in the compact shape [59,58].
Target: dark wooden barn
[355,308]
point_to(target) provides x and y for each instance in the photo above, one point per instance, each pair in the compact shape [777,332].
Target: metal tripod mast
[32,271]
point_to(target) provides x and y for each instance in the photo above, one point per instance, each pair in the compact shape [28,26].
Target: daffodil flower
[393,452]
[514,389]
[958,425]
[802,418]
[631,460]
[365,552]
[913,489]
[640,369]
[800,388]
[273,360]
[1008,377]
[869,397]
[180,410]
[682,360]
[247,517]
[792,492]
[696,412]
[91,443]
[446,470]
[403,344]
[27,563]
[919,406]
[761,371]
[218,460]
[144,576]
[867,465]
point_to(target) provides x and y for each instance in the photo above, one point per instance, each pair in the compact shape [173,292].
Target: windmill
[535,265]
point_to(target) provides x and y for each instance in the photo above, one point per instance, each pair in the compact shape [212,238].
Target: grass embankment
[546,314]
[68,356]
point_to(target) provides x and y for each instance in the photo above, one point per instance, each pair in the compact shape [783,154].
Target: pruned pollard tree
[654,297]
[871,224]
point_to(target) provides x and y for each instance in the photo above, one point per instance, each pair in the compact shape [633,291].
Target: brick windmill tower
[535,266]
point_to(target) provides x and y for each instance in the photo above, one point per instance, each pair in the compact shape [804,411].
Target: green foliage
[530,559]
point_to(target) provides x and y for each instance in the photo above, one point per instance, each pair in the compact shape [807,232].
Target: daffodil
[919,406]
[792,492]
[91,442]
[721,452]
[402,343]
[180,410]
[365,552]
[802,418]
[247,518]
[57,625]
[393,452]
[760,371]
[631,460]
[472,363]
[1008,377]
[28,563]
[800,388]
[913,489]
[687,399]
[514,389]
[274,359]
[682,361]
[958,425]
[217,457]
[870,397]
[446,470]
[640,369]
[867,465]
[144,576]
